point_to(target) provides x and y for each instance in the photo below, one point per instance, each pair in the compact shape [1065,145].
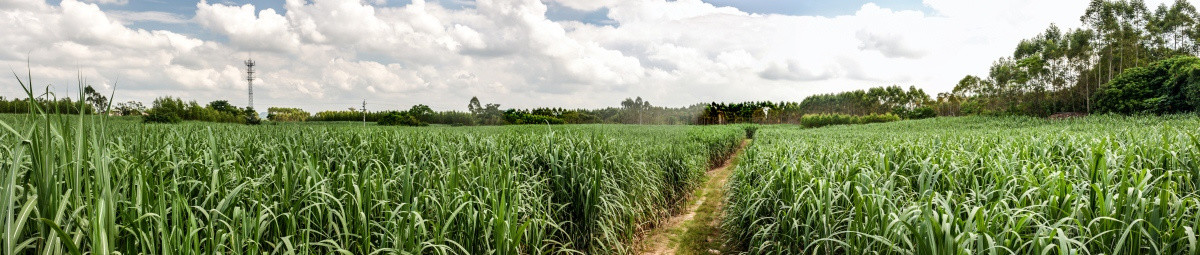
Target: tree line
[174,110]
[92,100]
[632,111]
[913,103]
[59,106]
[1075,70]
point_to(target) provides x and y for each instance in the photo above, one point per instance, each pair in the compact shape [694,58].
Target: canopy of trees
[286,114]
[633,111]
[174,110]
[93,102]
[878,100]
[131,108]
[751,112]
[60,106]
[1062,71]
[1163,87]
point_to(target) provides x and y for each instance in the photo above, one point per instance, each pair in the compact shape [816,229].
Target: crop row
[1096,185]
[88,185]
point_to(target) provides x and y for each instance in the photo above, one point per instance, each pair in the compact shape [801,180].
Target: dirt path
[696,229]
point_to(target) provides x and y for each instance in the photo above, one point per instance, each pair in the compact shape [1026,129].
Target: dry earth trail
[695,230]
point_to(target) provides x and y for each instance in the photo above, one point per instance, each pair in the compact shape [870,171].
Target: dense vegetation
[48,102]
[751,112]
[873,105]
[1164,87]
[880,100]
[821,120]
[174,110]
[1063,71]
[972,185]
[64,106]
[82,184]
[632,112]
[287,114]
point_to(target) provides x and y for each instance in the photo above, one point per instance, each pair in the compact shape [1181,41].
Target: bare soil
[683,229]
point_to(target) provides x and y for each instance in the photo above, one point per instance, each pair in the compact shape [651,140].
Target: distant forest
[1128,58]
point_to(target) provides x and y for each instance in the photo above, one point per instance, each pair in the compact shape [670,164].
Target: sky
[334,54]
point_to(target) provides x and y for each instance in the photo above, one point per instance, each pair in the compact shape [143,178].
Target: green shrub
[287,114]
[454,118]
[400,119]
[750,130]
[174,110]
[161,117]
[876,118]
[923,112]
[821,120]
[519,118]
[1164,87]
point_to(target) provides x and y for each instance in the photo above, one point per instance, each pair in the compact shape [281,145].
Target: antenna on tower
[250,79]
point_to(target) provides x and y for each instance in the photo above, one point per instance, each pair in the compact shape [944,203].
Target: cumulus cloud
[77,37]
[331,54]
[268,31]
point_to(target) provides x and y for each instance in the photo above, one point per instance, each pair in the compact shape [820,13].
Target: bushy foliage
[287,114]
[821,120]
[1081,70]
[750,130]
[878,100]
[1163,87]
[923,112]
[422,113]
[60,106]
[174,110]
[877,118]
[632,112]
[519,117]
[750,112]
[166,110]
[453,118]
[162,117]
[400,119]
[350,115]
[131,108]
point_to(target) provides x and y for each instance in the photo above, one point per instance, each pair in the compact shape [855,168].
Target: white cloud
[153,16]
[268,31]
[113,2]
[330,54]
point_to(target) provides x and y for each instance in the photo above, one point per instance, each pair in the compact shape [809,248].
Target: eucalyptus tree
[1080,55]
[1179,18]
[1101,18]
